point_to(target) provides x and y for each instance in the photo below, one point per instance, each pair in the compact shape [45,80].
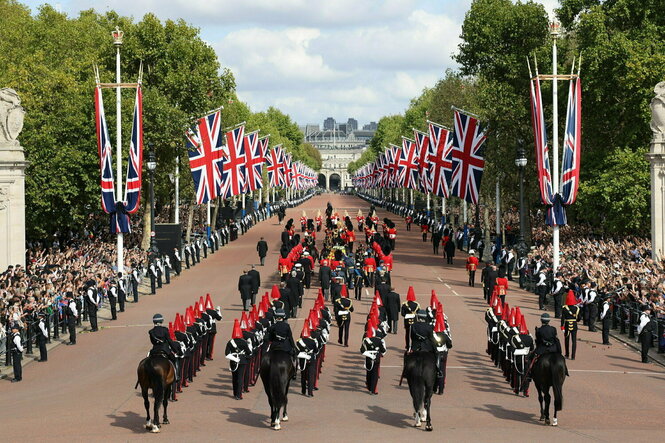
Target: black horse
[420,372]
[276,373]
[549,371]
[157,373]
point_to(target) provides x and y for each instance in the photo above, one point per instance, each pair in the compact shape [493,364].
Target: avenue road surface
[86,392]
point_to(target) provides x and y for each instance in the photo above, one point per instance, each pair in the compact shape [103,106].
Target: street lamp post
[152,165]
[520,162]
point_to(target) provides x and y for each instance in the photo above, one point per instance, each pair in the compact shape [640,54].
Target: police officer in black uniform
[16,350]
[71,315]
[92,302]
[112,295]
[41,336]
[422,334]
[122,292]
[546,337]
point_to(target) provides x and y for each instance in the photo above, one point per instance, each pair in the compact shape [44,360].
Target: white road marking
[455,292]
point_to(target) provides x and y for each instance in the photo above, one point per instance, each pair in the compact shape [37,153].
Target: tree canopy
[48,59]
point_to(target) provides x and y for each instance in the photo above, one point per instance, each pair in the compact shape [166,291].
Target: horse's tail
[279,378]
[558,377]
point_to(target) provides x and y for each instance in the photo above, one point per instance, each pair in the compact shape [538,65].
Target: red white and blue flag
[275,166]
[233,181]
[440,159]
[422,147]
[206,155]
[572,145]
[407,165]
[135,163]
[468,161]
[104,149]
[254,159]
[288,174]
[540,140]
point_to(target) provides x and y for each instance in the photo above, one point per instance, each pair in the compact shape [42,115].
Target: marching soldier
[444,341]
[343,310]
[237,352]
[570,315]
[373,348]
[409,310]
[307,361]
[605,318]
[523,346]
[41,336]
[17,352]
[471,266]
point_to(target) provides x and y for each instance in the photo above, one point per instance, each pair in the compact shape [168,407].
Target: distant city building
[339,145]
[329,124]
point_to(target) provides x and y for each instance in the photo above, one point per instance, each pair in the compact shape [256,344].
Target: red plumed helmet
[523,328]
[244,323]
[305,331]
[511,318]
[439,325]
[209,304]
[252,318]
[518,316]
[570,298]
[506,312]
[261,311]
[498,309]
[411,294]
[237,332]
[433,300]
[275,292]
[178,323]
[202,304]
[345,292]
[377,299]
[369,332]
[171,331]
[189,317]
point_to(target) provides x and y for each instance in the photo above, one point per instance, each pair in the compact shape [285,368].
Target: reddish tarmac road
[86,392]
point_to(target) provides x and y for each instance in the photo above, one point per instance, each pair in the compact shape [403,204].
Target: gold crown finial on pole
[555,28]
[117,36]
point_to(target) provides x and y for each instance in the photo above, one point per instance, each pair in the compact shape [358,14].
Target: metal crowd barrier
[626,317]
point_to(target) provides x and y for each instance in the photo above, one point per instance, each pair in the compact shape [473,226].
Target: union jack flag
[234,165]
[288,177]
[572,146]
[264,143]
[468,160]
[206,156]
[540,140]
[254,159]
[135,163]
[422,146]
[275,166]
[105,155]
[407,165]
[440,159]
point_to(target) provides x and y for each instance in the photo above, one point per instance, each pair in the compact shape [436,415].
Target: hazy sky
[314,59]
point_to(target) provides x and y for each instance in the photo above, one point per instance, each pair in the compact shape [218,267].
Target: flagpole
[117,41]
[428,204]
[554,32]
[443,209]
[464,217]
[411,198]
[208,220]
[177,189]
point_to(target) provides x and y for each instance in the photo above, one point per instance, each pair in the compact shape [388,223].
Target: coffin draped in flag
[206,156]
[468,160]
[233,175]
[120,210]
[254,159]
[275,166]
[440,159]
